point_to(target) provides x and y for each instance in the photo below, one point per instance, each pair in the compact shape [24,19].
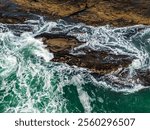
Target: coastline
[92,13]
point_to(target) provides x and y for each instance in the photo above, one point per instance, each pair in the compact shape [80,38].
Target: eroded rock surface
[101,62]
[110,67]
[58,43]
[124,78]
[143,76]
[93,12]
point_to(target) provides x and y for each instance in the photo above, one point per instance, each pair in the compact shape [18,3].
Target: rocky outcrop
[58,43]
[100,62]
[109,67]
[93,12]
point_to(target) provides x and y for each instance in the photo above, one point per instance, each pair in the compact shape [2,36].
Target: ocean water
[30,82]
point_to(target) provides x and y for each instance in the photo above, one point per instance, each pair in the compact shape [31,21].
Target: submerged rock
[143,76]
[124,78]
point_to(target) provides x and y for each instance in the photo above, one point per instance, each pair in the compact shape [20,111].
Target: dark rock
[144,77]
[101,62]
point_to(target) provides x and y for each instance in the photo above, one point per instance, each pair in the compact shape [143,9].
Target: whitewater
[31,82]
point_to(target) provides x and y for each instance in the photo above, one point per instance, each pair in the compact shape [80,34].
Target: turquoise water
[30,82]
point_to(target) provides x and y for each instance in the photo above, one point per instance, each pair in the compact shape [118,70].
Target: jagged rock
[144,77]
[93,12]
[101,62]
[123,79]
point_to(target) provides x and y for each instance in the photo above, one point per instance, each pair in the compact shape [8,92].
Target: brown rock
[100,62]
[60,44]
[93,12]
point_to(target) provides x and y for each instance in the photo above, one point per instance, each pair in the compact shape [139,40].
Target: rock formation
[93,12]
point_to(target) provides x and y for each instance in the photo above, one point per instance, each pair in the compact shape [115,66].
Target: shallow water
[30,82]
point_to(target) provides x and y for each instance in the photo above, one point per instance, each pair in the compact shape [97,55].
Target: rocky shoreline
[92,12]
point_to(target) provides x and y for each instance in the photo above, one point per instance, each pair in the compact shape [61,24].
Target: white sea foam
[16,56]
[15,60]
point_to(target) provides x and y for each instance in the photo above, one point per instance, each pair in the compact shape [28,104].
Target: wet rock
[100,62]
[123,79]
[93,12]
[143,77]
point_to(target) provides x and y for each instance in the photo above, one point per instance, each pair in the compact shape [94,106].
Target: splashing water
[30,82]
